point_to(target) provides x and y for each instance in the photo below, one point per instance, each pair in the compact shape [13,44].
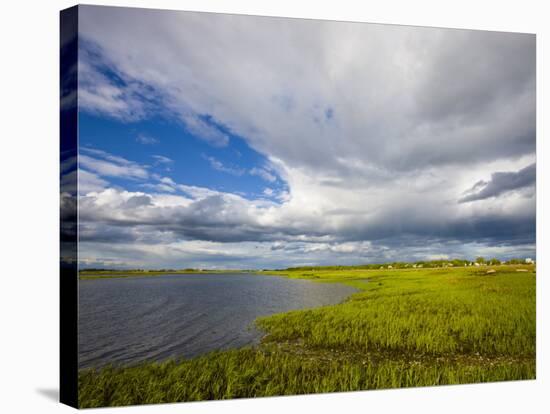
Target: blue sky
[165,147]
[222,141]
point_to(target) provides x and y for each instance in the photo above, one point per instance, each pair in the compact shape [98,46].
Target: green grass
[409,327]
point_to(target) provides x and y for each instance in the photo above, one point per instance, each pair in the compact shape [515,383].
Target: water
[128,320]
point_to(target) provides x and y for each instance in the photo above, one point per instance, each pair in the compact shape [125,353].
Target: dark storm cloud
[401,230]
[99,232]
[501,183]
[475,73]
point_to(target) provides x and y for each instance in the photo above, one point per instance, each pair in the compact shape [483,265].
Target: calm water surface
[128,320]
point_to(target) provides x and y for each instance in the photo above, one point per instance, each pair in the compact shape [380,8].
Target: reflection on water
[127,320]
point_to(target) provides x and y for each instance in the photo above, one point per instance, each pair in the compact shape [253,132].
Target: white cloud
[99,94]
[197,192]
[263,173]
[162,188]
[107,165]
[167,181]
[88,182]
[205,131]
[161,159]
[146,139]
[219,166]
[164,184]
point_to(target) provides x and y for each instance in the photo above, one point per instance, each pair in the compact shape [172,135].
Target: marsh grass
[433,312]
[403,328]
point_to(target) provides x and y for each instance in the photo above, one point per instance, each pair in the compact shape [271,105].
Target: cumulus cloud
[223,217]
[373,129]
[88,182]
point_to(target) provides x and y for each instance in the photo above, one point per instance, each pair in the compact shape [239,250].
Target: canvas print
[260,206]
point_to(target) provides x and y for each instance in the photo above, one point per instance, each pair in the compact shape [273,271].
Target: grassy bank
[406,327]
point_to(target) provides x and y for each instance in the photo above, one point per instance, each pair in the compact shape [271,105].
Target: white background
[29,170]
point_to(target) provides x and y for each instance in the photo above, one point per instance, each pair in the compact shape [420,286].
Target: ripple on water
[129,320]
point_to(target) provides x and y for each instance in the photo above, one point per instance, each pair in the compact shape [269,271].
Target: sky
[227,141]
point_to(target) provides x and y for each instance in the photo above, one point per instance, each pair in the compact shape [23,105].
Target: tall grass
[433,311]
[404,328]
[257,373]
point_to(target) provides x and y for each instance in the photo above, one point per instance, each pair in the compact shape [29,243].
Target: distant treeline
[393,265]
[423,263]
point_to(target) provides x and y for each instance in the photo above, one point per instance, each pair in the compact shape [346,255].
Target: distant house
[529,260]
[476,264]
[390,267]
